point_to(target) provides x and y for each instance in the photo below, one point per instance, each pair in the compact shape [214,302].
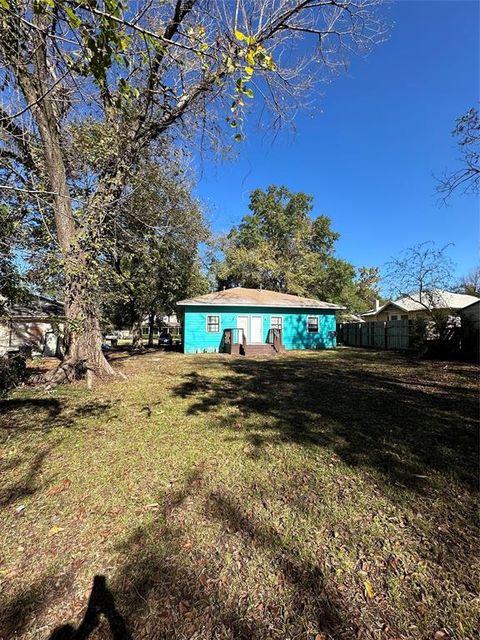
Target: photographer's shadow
[100,602]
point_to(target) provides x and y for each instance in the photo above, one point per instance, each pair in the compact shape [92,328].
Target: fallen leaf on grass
[369,592]
[76,564]
[54,530]
[183,606]
[8,573]
[63,486]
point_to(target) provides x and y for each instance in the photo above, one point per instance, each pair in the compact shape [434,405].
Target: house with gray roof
[36,325]
[415,305]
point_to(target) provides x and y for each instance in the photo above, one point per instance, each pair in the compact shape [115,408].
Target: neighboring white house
[409,307]
[163,324]
[37,325]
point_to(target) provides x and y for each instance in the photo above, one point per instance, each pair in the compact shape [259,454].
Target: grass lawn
[311,496]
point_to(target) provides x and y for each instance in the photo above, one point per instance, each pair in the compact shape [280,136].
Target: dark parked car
[165,339]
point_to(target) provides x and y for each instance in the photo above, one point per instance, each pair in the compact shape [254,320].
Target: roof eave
[383,307]
[470,305]
[186,303]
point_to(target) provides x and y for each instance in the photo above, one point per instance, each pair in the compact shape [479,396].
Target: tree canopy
[280,246]
[152,257]
[12,284]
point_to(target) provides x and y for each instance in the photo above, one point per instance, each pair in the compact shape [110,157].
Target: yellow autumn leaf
[239,35]
[249,70]
[54,530]
[368,589]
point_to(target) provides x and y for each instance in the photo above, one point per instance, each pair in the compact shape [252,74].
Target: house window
[213,324]
[394,317]
[276,322]
[404,316]
[312,324]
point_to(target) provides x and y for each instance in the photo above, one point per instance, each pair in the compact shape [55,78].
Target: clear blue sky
[370,156]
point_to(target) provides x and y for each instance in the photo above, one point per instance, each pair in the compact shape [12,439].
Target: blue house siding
[295,333]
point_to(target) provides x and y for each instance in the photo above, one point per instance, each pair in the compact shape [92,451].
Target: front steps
[260,350]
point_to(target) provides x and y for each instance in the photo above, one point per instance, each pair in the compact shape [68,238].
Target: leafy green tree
[151,276]
[148,251]
[150,257]
[13,287]
[280,247]
[360,295]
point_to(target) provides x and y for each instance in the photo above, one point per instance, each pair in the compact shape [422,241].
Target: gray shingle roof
[439,299]
[38,306]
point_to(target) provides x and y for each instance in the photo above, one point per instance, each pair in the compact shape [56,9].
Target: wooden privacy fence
[457,339]
[389,334]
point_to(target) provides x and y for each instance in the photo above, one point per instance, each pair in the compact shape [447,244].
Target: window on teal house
[312,324]
[276,322]
[213,324]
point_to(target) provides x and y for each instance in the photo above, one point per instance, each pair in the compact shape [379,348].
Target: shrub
[13,369]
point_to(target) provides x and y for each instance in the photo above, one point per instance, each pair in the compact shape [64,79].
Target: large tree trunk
[84,356]
[137,342]
[83,337]
[151,327]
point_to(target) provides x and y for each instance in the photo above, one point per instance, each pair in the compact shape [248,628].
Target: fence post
[385,339]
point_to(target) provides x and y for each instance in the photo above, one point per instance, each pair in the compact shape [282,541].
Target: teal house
[256,321]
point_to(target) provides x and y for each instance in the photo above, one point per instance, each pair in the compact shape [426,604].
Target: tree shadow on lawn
[23,424]
[247,583]
[169,588]
[21,415]
[124,353]
[18,612]
[378,418]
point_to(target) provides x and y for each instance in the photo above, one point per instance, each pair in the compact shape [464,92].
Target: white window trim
[213,315]
[281,322]
[318,324]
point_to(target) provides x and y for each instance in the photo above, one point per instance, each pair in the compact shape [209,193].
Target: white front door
[242,323]
[256,329]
